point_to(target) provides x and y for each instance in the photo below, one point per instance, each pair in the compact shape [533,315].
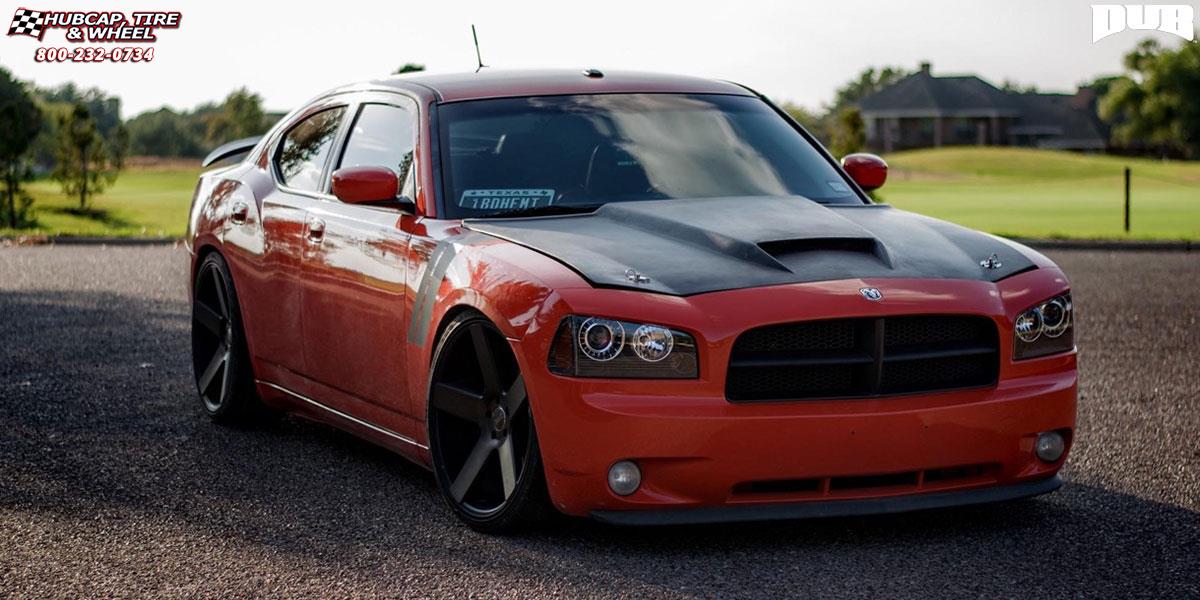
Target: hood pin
[635,277]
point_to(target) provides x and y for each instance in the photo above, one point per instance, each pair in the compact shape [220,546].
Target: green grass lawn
[1040,193]
[144,202]
[1014,192]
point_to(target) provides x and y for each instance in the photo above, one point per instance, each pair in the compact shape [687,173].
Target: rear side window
[383,136]
[305,149]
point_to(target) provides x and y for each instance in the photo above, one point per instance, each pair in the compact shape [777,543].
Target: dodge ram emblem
[871,294]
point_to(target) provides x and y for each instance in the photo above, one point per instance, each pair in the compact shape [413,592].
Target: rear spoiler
[234,148]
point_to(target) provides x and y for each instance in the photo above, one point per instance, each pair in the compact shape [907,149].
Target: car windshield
[552,154]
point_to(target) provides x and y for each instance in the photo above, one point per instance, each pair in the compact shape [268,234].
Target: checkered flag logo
[28,22]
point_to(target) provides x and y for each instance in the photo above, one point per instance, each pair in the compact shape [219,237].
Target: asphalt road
[113,483]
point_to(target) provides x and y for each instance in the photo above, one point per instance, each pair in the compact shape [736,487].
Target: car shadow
[101,421]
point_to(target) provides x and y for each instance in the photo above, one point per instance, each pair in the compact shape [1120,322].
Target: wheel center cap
[499,419]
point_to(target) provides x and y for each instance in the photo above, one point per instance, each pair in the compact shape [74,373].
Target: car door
[297,164]
[354,276]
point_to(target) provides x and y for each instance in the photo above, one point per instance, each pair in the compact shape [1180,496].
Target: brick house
[923,111]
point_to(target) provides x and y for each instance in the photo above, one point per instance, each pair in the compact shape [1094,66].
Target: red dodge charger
[640,298]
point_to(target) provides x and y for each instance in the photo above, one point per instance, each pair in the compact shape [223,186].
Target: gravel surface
[113,483]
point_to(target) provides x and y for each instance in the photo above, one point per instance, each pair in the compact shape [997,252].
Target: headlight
[599,347]
[1045,329]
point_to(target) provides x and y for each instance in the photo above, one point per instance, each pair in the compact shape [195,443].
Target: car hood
[693,246]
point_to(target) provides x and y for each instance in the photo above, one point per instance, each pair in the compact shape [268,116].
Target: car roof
[498,83]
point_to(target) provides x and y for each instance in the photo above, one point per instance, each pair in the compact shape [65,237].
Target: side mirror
[867,170]
[369,185]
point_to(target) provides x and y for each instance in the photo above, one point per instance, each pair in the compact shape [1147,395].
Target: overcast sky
[798,51]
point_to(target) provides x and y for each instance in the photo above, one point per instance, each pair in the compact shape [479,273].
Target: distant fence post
[1126,199]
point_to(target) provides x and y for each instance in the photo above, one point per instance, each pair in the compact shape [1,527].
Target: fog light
[1050,446]
[624,478]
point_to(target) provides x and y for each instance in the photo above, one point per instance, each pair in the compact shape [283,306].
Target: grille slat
[803,360]
[842,358]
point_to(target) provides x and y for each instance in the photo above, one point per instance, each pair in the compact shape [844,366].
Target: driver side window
[383,136]
[305,150]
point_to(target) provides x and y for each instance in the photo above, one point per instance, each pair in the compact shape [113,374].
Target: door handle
[316,230]
[238,213]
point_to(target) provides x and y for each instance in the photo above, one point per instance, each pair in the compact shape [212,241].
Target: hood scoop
[800,255]
[694,246]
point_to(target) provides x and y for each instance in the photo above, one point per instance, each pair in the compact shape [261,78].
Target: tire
[482,437]
[220,359]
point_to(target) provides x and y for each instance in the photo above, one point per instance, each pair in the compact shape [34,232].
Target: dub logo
[1109,19]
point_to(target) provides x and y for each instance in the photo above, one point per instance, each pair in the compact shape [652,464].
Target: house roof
[1057,120]
[922,94]
[1057,115]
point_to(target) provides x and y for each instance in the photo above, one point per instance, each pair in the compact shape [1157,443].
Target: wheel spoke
[515,398]
[218,359]
[209,318]
[472,467]
[459,402]
[226,377]
[219,291]
[508,466]
[487,361]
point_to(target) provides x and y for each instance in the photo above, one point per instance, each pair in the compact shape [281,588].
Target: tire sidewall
[242,377]
[531,471]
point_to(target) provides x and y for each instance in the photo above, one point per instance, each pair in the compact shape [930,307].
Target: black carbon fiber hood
[695,246]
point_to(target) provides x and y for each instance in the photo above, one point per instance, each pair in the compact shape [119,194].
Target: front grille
[844,358]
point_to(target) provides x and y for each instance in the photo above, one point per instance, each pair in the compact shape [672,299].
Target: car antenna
[478,57]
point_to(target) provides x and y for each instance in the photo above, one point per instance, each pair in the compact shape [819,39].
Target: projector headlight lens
[653,343]
[1056,316]
[1044,329]
[601,339]
[1029,325]
[598,347]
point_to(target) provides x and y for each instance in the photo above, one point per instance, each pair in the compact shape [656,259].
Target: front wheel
[481,432]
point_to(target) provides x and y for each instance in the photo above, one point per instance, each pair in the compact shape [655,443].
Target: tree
[849,134]
[868,82]
[87,165]
[118,147]
[1016,88]
[812,121]
[1155,104]
[163,132]
[56,102]
[105,110]
[20,121]
[409,68]
[167,132]
[829,124]
[240,116]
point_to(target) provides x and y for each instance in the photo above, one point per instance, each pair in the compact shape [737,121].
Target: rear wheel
[220,360]
[481,431]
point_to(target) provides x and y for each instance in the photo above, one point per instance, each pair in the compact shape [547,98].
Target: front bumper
[706,452]
[834,508]
[701,456]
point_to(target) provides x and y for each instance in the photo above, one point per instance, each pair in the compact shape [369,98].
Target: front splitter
[830,508]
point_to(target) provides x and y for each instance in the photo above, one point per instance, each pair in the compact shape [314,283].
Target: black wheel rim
[212,338]
[480,428]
